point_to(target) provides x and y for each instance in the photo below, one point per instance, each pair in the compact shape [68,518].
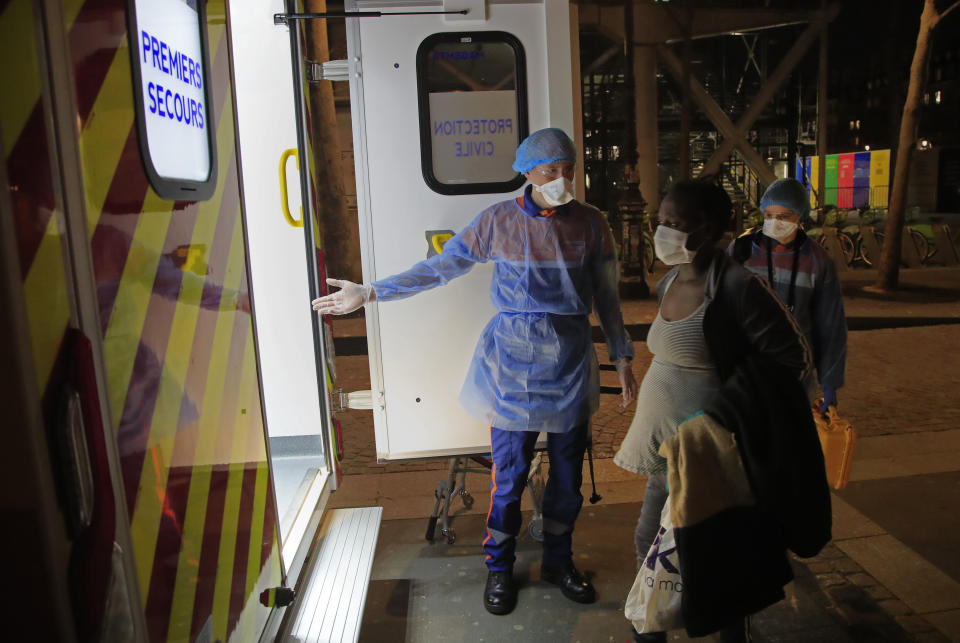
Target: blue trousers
[512,452]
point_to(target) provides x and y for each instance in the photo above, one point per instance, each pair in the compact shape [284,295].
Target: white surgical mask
[778,229]
[671,246]
[557,192]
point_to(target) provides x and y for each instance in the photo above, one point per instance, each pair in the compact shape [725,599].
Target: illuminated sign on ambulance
[173,102]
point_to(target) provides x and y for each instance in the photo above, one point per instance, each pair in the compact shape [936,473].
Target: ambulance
[169,395]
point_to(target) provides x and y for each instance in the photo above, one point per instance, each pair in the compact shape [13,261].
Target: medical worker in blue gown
[534,368]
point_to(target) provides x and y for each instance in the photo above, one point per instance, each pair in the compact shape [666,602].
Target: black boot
[648,637]
[573,585]
[737,632]
[500,594]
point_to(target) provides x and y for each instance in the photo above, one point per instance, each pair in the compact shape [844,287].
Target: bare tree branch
[943,14]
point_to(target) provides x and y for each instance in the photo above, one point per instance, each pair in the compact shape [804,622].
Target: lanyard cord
[791,293]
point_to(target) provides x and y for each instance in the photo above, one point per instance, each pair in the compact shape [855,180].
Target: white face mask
[779,229]
[557,192]
[671,246]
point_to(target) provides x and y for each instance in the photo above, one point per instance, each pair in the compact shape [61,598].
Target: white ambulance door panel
[474,115]
[268,139]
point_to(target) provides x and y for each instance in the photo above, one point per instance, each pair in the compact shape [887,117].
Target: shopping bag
[837,439]
[653,604]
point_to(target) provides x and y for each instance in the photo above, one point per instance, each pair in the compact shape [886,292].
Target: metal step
[330,607]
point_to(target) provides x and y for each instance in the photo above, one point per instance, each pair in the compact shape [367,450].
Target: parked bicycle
[829,217]
[920,235]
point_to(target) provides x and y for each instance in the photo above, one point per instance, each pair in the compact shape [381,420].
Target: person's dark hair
[707,201]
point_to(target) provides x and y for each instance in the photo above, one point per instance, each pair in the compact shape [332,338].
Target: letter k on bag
[655,553]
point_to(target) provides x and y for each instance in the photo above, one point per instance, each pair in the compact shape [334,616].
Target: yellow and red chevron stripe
[174,309]
[28,163]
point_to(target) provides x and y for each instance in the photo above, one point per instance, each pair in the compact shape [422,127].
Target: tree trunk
[340,233]
[889,276]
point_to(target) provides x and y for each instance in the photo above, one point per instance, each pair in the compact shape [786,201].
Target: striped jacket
[818,299]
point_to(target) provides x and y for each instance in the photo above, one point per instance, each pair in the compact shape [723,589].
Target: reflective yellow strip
[20,72]
[251,604]
[185,586]
[254,616]
[248,425]
[105,134]
[275,577]
[256,529]
[71,9]
[181,612]
[133,295]
[148,509]
[270,579]
[45,285]
[48,308]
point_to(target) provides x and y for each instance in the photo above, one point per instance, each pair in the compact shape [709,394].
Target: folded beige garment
[705,473]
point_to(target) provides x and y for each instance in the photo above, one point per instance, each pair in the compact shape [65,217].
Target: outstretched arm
[349,298]
[459,254]
[429,273]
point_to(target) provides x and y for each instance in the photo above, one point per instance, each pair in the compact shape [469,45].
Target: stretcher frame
[455,485]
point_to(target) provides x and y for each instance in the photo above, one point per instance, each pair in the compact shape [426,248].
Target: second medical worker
[802,275]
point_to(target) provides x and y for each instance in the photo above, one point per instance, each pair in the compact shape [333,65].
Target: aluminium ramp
[330,608]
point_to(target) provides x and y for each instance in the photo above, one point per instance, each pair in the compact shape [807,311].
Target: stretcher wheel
[536,528]
[467,500]
[450,535]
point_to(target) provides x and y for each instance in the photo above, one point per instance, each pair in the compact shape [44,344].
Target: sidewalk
[892,572]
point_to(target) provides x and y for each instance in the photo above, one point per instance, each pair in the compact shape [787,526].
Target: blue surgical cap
[550,145]
[787,193]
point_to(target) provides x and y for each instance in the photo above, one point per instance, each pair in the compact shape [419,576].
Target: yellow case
[837,439]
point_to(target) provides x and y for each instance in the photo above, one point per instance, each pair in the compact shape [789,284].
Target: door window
[473,111]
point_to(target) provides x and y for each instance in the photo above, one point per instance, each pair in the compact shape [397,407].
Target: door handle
[438,240]
[284,205]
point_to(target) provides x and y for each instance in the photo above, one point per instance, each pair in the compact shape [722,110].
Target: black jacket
[735,563]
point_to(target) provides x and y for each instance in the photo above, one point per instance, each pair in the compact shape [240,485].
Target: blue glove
[829,398]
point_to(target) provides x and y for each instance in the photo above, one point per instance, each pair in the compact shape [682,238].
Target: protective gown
[534,368]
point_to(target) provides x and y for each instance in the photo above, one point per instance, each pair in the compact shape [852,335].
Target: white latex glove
[349,298]
[627,382]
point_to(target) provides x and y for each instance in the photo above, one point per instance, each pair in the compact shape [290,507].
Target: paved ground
[892,572]
[433,593]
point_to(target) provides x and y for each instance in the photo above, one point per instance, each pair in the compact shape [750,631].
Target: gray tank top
[680,380]
[680,342]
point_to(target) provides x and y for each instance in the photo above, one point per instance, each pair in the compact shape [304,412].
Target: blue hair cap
[550,145]
[787,193]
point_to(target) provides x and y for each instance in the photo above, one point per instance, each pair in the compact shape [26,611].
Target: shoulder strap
[743,247]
